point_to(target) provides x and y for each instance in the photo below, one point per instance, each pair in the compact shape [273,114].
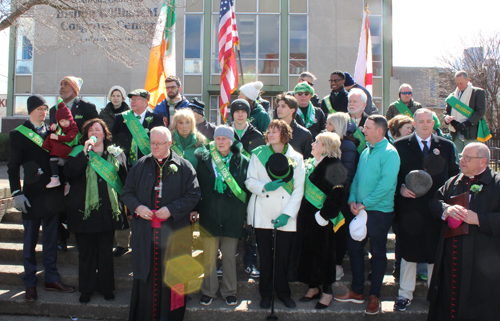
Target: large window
[24,46]
[298,44]
[193,46]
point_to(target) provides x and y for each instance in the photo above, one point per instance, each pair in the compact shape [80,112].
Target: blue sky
[422,30]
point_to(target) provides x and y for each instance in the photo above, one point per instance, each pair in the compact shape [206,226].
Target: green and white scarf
[309,118]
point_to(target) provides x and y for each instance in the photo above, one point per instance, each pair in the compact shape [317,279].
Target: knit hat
[75,83]
[63,112]
[225,131]
[348,80]
[35,101]
[357,227]
[240,104]
[139,92]
[303,87]
[252,90]
[197,106]
[120,89]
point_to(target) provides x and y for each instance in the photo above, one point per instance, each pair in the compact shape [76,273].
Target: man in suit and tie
[418,231]
[463,128]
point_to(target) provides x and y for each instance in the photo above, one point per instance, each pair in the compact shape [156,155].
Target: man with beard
[357,102]
[174,101]
[337,100]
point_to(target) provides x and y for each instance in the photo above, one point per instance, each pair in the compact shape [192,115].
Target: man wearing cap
[312,118]
[174,101]
[349,84]
[404,105]
[202,125]
[337,100]
[221,172]
[81,109]
[302,139]
[40,206]
[418,231]
[138,121]
[372,190]
[309,78]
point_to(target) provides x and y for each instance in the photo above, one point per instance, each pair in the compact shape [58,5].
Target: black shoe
[119,251]
[231,300]
[85,297]
[314,297]
[289,303]
[265,303]
[109,296]
[205,300]
[321,306]
[62,246]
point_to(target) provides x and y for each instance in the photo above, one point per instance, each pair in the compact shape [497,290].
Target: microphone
[94,139]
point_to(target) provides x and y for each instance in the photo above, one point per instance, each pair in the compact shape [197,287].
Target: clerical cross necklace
[159,188]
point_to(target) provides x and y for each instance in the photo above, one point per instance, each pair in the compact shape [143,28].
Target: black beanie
[36,101]
[197,106]
[240,104]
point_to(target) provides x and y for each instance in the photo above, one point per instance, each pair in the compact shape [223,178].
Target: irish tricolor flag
[363,72]
[162,56]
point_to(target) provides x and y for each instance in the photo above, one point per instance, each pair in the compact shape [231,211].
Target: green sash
[244,152]
[102,167]
[309,118]
[75,140]
[483,133]
[317,198]
[138,132]
[328,104]
[177,150]
[359,135]
[263,153]
[228,178]
[403,109]
[31,135]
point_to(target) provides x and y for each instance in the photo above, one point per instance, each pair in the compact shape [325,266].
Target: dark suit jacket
[81,110]
[478,104]
[122,136]
[418,231]
[480,259]
[339,102]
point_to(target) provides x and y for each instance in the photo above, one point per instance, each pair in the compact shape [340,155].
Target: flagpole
[241,65]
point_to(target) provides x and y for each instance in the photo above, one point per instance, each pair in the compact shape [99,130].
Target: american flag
[228,38]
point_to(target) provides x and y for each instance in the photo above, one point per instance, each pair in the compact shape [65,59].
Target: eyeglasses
[155,144]
[304,93]
[335,80]
[406,93]
[309,83]
[171,87]
[136,98]
[468,158]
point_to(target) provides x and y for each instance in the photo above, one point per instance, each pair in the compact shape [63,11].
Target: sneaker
[219,271]
[350,297]
[340,272]
[421,277]
[205,300]
[231,300]
[252,270]
[54,182]
[373,305]
[401,304]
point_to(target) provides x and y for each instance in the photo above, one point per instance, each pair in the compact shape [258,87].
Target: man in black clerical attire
[161,189]
[465,280]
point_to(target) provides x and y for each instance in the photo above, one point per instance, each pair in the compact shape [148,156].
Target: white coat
[264,207]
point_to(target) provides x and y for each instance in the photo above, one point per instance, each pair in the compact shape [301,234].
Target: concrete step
[12,216]
[54,304]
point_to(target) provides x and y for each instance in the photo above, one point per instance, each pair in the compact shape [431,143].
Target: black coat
[81,110]
[122,136]
[339,102]
[301,139]
[362,122]
[108,114]
[251,138]
[317,243]
[100,220]
[35,162]
[222,214]
[477,103]
[207,129]
[181,193]
[319,122]
[480,262]
[418,231]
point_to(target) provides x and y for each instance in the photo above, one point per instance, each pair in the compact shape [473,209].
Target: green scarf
[92,191]
[184,143]
[219,186]
[309,118]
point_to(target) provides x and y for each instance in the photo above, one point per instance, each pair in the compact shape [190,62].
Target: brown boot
[30,294]
[373,305]
[350,297]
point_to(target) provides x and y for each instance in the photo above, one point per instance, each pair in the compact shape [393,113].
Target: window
[24,46]
[193,44]
[297,44]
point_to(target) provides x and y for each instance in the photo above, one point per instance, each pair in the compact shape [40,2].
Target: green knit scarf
[219,186]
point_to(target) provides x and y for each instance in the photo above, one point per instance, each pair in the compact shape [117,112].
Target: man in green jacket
[372,190]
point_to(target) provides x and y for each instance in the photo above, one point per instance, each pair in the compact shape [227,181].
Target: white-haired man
[404,105]
[356,107]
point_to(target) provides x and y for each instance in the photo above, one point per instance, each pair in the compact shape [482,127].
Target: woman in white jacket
[275,203]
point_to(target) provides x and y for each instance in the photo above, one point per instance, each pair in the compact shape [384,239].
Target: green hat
[303,87]
[139,92]
[437,123]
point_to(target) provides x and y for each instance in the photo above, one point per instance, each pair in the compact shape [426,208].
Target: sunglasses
[406,93]
[304,93]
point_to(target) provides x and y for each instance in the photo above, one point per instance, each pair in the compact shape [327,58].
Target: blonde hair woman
[186,138]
